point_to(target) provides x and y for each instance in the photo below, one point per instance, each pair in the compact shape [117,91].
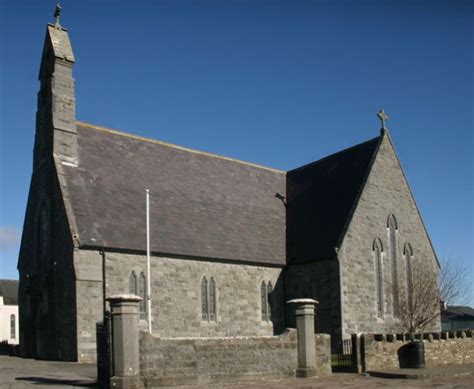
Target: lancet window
[408,254]
[392,234]
[378,252]
[266,289]
[208,299]
[137,286]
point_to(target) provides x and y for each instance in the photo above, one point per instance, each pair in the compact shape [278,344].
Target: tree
[455,284]
[425,290]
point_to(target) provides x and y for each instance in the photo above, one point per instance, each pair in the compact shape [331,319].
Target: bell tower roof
[57,46]
[60,42]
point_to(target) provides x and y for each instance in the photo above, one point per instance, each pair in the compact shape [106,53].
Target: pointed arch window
[12,327]
[208,299]
[41,236]
[137,286]
[142,294]
[266,289]
[392,235]
[132,283]
[212,299]
[378,251]
[408,254]
[204,301]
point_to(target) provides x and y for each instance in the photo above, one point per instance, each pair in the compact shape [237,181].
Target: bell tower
[56,132]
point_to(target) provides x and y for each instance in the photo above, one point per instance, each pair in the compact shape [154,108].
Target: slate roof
[202,205]
[457,312]
[9,291]
[321,197]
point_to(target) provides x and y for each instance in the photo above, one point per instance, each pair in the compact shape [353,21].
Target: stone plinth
[125,356]
[305,333]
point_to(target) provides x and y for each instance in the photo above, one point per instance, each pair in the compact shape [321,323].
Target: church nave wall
[177,289]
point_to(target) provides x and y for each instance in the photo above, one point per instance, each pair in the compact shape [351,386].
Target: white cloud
[9,237]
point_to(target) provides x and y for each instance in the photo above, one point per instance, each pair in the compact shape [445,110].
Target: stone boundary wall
[188,361]
[380,352]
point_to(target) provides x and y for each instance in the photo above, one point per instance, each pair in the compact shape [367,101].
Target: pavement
[18,373]
[428,373]
[449,377]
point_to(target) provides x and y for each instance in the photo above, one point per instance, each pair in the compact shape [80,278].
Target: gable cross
[57,14]
[383,117]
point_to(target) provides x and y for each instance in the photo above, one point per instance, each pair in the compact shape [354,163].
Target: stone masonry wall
[170,362]
[386,192]
[46,290]
[89,305]
[319,281]
[382,354]
[176,295]
[176,304]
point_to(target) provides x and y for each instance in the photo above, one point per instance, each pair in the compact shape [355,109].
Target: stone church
[232,241]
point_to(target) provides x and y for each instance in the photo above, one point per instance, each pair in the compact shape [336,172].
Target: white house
[9,311]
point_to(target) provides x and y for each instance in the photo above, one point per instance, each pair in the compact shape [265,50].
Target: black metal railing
[341,356]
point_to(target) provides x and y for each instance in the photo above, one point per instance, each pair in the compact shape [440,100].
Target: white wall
[5,312]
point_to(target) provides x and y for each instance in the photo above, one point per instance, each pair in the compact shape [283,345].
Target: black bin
[412,355]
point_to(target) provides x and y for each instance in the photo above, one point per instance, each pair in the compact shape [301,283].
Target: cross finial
[383,117]
[57,14]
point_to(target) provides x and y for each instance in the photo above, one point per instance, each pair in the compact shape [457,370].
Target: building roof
[208,206]
[321,197]
[202,205]
[9,291]
[457,312]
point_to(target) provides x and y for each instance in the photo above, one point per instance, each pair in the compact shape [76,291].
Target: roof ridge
[358,195]
[151,140]
[333,155]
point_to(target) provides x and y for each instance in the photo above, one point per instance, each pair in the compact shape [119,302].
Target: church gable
[386,192]
[385,221]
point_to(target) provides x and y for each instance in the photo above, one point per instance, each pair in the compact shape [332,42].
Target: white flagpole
[148,261]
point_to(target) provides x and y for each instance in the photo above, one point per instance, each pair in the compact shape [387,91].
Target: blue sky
[278,83]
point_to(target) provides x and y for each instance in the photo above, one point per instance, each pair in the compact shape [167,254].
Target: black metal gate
[341,357]
[104,351]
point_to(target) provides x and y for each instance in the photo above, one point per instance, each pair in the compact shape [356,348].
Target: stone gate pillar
[305,333]
[125,349]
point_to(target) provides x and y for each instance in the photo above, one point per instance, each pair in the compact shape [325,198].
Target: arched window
[263,297]
[378,250]
[12,327]
[132,283]
[142,294]
[137,286]
[212,300]
[392,235]
[204,301]
[408,254]
[269,305]
[41,235]
[208,299]
[265,294]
